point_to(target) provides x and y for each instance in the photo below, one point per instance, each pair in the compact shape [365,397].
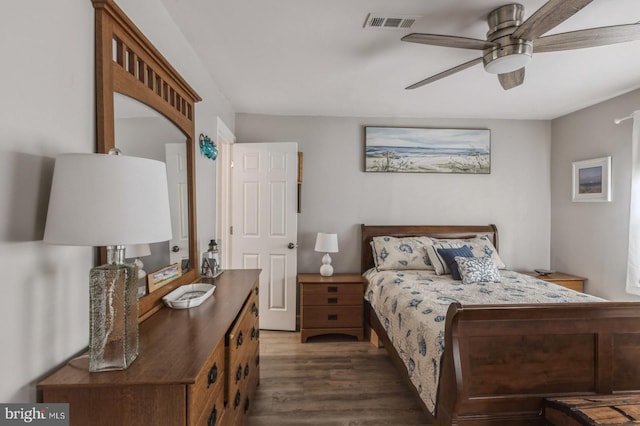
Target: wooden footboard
[501,361]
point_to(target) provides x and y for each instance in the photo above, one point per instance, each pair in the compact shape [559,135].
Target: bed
[499,361]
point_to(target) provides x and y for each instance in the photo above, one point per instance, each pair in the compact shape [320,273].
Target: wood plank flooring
[330,381]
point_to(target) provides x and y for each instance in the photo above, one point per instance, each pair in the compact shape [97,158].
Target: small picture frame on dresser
[163,276]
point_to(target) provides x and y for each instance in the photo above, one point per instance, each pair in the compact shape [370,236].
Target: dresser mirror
[131,74]
[143,132]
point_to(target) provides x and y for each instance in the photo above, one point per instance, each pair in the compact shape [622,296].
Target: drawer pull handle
[246,370]
[213,417]
[213,375]
[332,289]
[332,300]
[246,405]
[239,340]
[254,309]
[257,291]
[238,374]
[332,317]
[237,399]
[254,334]
[257,360]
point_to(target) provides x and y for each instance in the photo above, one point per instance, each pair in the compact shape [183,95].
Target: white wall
[590,239]
[48,108]
[155,22]
[337,195]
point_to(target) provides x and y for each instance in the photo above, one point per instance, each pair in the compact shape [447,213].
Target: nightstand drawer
[332,316]
[572,282]
[331,294]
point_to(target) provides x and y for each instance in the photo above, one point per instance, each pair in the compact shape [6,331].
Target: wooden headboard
[436,231]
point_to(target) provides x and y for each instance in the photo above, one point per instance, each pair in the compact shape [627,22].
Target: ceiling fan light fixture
[506,59]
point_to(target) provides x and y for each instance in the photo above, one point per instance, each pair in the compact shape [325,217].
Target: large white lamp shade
[102,200]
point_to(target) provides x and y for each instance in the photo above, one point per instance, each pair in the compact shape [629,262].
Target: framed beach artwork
[592,180]
[418,150]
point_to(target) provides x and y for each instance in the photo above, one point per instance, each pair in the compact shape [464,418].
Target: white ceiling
[313,57]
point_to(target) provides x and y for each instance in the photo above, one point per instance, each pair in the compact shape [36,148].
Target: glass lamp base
[113,317]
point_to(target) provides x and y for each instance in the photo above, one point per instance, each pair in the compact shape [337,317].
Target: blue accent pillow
[449,255]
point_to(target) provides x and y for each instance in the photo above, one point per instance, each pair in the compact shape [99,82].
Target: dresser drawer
[243,382]
[332,294]
[245,332]
[212,416]
[208,387]
[332,316]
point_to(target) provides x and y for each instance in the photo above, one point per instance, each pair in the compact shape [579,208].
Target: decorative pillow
[437,261]
[449,255]
[480,245]
[401,253]
[477,269]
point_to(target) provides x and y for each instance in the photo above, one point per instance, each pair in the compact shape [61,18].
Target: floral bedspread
[412,305]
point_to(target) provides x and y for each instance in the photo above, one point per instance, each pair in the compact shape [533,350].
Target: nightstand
[569,281]
[331,305]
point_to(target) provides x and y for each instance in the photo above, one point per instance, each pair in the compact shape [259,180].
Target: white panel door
[176,158]
[265,225]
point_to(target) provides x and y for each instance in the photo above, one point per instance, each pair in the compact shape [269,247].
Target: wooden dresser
[197,366]
[331,305]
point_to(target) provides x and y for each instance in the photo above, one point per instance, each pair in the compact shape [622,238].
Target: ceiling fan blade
[444,74]
[449,41]
[551,14]
[511,79]
[591,37]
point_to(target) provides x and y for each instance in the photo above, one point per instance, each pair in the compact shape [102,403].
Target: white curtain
[633,264]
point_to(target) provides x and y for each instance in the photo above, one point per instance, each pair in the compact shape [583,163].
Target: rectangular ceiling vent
[400,22]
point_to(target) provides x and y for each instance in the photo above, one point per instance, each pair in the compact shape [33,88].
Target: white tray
[189,295]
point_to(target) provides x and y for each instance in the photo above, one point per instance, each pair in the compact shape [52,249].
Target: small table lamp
[326,243]
[93,203]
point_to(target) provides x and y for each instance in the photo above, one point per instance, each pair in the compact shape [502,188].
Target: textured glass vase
[113,316]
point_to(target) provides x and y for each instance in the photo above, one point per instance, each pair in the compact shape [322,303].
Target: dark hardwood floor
[331,380]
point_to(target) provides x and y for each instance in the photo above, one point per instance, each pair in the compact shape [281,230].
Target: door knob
[175,249]
[291,246]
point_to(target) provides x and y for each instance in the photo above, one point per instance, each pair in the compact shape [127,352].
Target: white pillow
[392,253]
[437,261]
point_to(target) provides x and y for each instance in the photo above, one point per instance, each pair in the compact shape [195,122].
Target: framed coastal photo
[592,180]
[159,278]
[418,150]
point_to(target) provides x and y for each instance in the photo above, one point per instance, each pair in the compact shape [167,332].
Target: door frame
[226,139]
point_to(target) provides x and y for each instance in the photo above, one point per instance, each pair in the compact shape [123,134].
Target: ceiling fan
[511,42]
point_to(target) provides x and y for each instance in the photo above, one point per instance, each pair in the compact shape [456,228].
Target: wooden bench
[593,410]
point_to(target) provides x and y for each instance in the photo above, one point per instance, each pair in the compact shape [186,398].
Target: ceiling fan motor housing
[510,54]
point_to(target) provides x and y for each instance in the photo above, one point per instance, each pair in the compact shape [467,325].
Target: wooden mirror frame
[128,63]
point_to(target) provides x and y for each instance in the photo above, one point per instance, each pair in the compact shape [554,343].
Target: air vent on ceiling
[401,22]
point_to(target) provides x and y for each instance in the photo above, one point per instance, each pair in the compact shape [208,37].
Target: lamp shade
[326,243]
[102,200]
